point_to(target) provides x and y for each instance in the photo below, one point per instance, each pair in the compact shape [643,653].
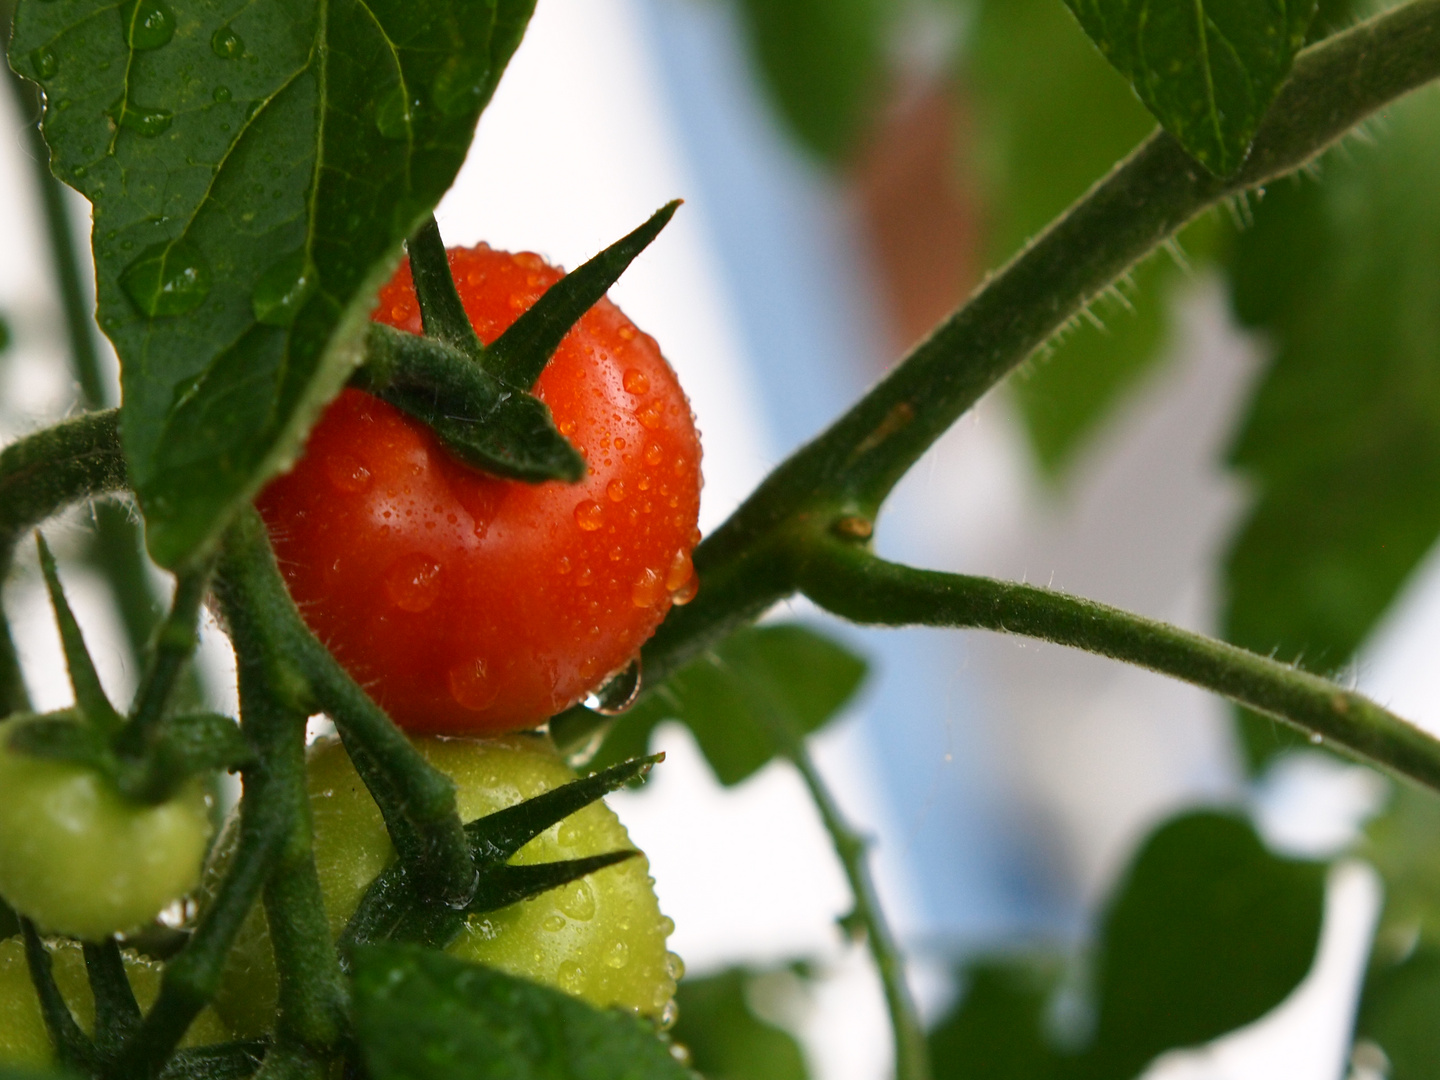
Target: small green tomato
[23,1038]
[601,939]
[79,858]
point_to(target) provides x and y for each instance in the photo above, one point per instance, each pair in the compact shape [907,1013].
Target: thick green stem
[168,655]
[851,582]
[47,471]
[851,467]
[912,1054]
[433,844]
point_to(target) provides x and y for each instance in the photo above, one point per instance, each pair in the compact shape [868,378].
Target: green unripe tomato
[79,858]
[23,1038]
[601,938]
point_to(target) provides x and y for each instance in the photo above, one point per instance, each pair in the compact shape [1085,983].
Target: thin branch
[58,466]
[851,582]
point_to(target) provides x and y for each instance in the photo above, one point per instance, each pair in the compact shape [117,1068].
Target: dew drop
[413,583]
[616,553]
[221,95]
[226,44]
[142,121]
[459,85]
[394,114]
[346,473]
[589,515]
[647,590]
[680,1053]
[653,454]
[615,491]
[651,415]
[668,1016]
[572,977]
[149,24]
[283,289]
[471,687]
[45,62]
[683,595]
[168,278]
[618,955]
[619,692]
[552,924]
[568,834]
[578,901]
[635,381]
[674,966]
[563,566]
[682,569]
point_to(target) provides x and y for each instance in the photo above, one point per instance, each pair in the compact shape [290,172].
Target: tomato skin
[24,1039]
[601,939]
[470,604]
[79,858]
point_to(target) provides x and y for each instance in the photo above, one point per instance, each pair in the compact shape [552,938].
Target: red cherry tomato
[468,603]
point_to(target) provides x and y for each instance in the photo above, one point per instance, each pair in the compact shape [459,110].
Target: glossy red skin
[465,603]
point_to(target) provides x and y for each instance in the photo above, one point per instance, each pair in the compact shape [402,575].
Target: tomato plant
[492,507]
[404,560]
[600,938]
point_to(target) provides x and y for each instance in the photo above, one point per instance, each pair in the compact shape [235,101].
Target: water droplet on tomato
[226,44]
[674,966]
[668,1016]
[567,834]
[577,900]
[553,924]
[647,590]
[346,473]
[572,977]
[470,685]
[653,454]
[618,955]
[635,381]
[563,566]
[683,595]
[589,515]
[619,692]
[148,24]
[651,415]
[682,569]
[615,491]
[616,554]
[413,583]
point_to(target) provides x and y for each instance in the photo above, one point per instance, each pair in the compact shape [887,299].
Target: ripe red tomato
[468,603]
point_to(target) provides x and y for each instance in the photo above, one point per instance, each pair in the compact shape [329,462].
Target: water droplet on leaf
[459,85]
[149,24]
[283,289]
[221,94]
[45,62]
[394,114]
[168,278]
[226,44]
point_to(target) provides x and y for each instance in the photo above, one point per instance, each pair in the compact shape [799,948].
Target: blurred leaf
[1053,117]
[1400,1012]
[998,1029]
[253,166]
[726,1040]
[734,697]
[1404,845]
[422,1015]
[1207,69]
[1342,439]
[821,62]
[1207,931]
[5,336]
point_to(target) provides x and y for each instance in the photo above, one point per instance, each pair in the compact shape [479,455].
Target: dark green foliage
[1208,70]
[726,1040]
[998,1030]
[1053,117]
[761,681]
[254,168]
[426,1016]
[1205,932]
[1399,1013]
[1403,843]
[821,61]
[5,336]
[1342,440]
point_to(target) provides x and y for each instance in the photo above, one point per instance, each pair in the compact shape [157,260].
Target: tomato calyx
[477,398]
[393,907]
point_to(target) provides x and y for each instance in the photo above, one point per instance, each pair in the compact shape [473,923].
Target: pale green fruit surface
[23,1038]
[80,859]
[601,939]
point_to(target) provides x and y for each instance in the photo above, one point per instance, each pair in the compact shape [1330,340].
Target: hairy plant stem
[850,468]
[912,1054]
[418,801]
[850,581]
[170,651]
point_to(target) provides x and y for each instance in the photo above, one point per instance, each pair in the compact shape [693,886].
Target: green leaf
[726,1040]
[1206,932]
[1403,843]
[998,1029]
[1051,117]
[1207,69]
[481,421]
[254,167]
[734,698]
[1341,443]
[422,1015]
[821,61]
[6,337]
[1398,1012]
[90,699]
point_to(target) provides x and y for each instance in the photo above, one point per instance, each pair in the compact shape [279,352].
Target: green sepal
[441,311]
[484,423]
[422,1015]
[506,884]
[186,745]
[63,736]
[520,354]
[90,699]
[219,1061]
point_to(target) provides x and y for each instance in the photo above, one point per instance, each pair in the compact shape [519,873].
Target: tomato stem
[73,1048]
